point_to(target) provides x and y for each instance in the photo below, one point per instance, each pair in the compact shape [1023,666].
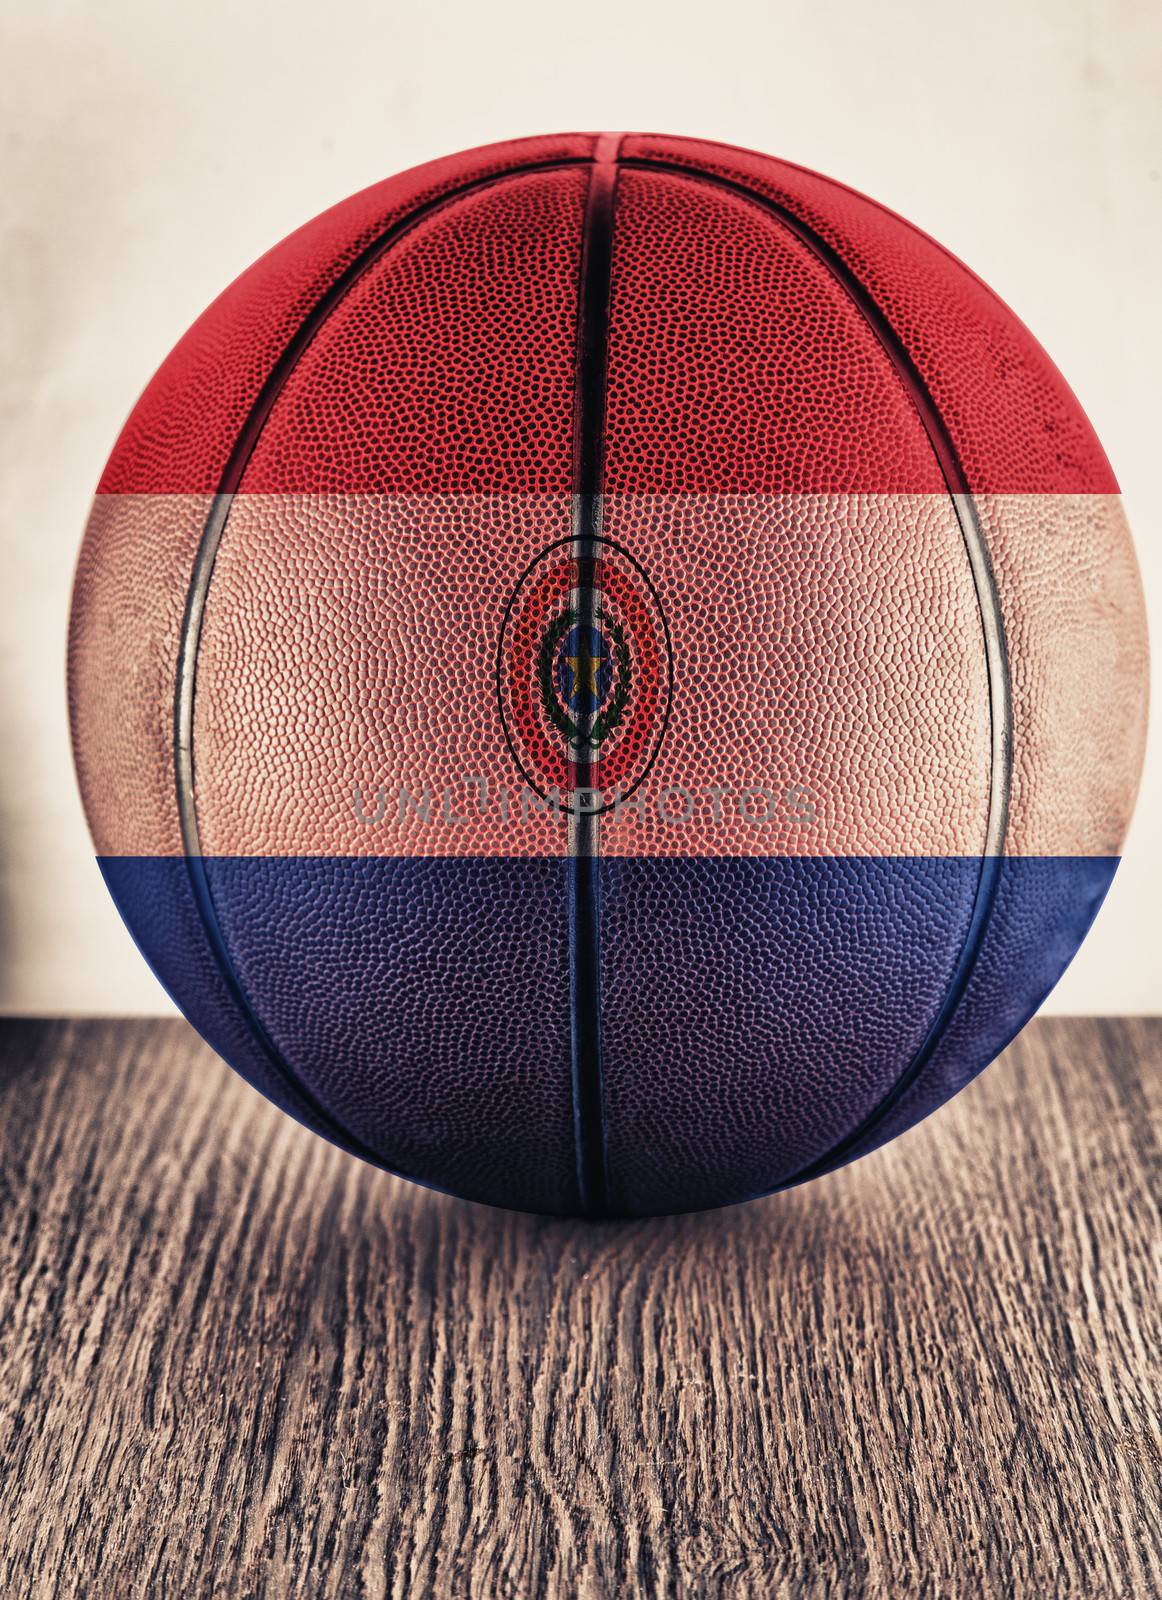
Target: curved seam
[880,206]
[196,596]
[992,627]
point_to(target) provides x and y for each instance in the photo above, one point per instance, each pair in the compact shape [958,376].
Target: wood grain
[236,1362]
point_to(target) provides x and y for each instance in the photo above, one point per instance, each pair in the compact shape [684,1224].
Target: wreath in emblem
[606,720]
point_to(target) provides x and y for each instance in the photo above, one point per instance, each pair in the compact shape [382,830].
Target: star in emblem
[585,668]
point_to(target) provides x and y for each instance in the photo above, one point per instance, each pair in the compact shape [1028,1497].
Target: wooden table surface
[234,1361]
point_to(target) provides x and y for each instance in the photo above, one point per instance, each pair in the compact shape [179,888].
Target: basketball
[608,674]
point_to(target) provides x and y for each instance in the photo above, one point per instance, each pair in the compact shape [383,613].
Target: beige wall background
[152,150]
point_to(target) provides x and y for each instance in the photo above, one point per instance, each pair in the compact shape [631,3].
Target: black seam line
[992,628]
[190,638]
[587,522]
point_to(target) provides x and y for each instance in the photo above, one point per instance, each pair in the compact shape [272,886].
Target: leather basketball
[608,674]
